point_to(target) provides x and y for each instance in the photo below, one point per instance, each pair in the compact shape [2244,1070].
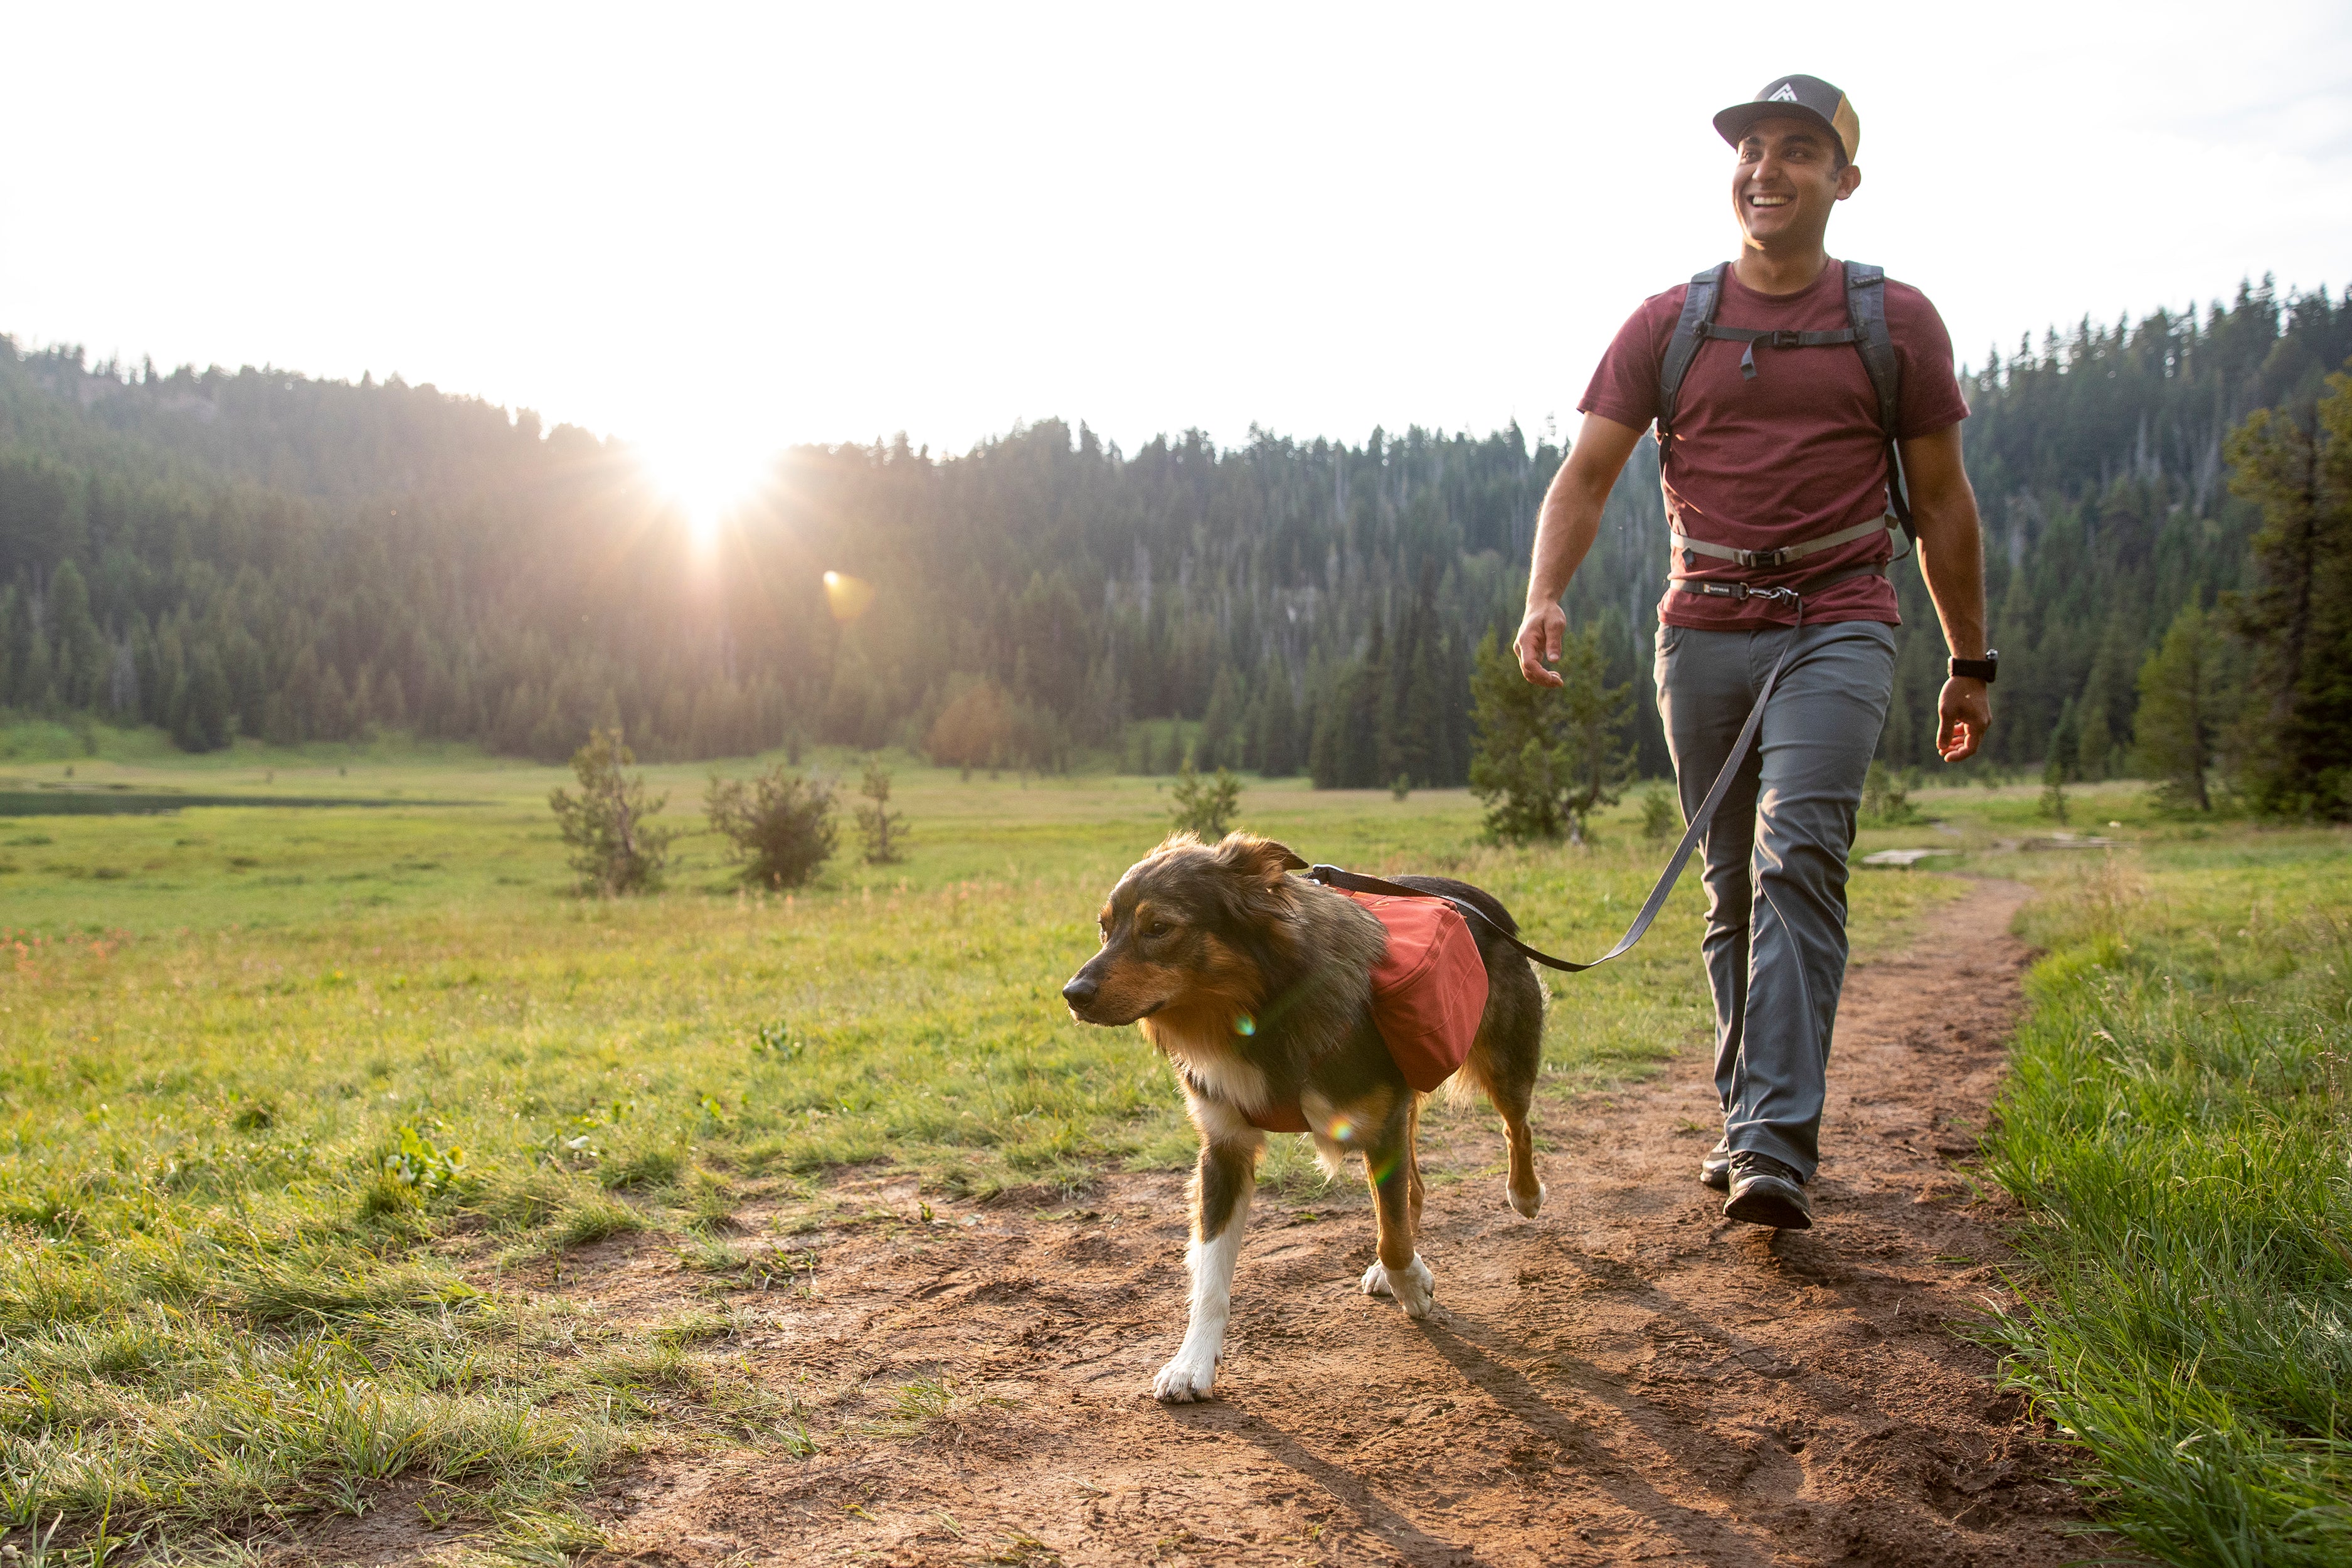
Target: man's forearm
[1951,538]
[1951,558]
[1565,529]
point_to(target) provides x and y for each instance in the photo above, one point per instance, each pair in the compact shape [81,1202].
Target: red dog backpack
[1429,991]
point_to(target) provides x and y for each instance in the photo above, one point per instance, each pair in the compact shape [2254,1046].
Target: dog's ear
[1255,856]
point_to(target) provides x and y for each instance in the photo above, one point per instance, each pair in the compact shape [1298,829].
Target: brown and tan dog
[1256,986]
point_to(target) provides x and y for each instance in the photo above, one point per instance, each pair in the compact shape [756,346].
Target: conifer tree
[1546,759]
[2299,619]
[2180,714]
[616,847]
[881,831]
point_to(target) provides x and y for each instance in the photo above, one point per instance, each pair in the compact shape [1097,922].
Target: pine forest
[257,552]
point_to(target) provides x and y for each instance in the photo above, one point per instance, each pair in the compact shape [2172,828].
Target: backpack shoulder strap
[1865,308]
[1698,313]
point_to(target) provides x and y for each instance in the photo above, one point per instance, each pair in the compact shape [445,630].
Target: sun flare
[707,484]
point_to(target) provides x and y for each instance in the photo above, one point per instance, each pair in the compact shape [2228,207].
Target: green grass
[291,1105]
[2179,1129]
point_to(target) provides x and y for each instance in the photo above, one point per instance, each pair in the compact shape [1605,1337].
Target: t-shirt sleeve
[1931,398]
[1625,386]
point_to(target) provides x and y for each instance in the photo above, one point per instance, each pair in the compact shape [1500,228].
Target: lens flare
[1244,1025]
[847,597]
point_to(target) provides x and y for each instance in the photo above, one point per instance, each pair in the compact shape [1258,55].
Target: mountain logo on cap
[1788,94]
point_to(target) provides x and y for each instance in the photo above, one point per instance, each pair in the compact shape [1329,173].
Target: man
[1771,440]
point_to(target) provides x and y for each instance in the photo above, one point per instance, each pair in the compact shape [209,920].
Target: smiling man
[1782,385]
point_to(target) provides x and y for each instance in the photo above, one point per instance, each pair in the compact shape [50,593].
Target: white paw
[1530,1207]
[1187,1378]
[1413,1285]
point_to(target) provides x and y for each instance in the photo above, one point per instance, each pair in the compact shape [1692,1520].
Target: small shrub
[880,830]
[2054,786]
[421,1165]
[779,825]
[779,1040]
[616,845]
[1886,796]
[1661,818]
[1205,806]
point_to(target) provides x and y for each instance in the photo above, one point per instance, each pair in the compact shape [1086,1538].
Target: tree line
[258,553]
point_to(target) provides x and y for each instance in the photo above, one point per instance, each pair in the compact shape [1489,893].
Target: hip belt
[1691,549]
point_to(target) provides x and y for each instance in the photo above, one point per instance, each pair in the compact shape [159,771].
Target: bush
[616,845]
[882,831]
[1205,806]
[779,825]
[1544,763]
[1661,818]
[1886,796]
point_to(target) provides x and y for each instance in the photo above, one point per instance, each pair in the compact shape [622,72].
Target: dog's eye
[1156,928]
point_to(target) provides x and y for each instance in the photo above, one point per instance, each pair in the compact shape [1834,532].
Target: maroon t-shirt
[1791,455]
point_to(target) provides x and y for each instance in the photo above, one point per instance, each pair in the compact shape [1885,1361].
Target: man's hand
[1538,644]
[1963,715]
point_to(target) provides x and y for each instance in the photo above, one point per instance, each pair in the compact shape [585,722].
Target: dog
[1256,986]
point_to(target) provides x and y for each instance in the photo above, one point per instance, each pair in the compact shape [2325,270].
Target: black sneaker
[1766,1192]
[1715,1168]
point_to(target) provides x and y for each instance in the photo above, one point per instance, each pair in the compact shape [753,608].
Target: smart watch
[1977,669]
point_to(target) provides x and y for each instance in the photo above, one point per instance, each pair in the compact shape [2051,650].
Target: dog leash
[1357,882]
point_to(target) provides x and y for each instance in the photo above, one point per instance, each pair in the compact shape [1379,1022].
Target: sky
[716,231]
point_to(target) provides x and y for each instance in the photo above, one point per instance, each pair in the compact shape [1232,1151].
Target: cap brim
[1732,123]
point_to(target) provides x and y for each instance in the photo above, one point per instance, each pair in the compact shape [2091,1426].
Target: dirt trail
[1627,1378]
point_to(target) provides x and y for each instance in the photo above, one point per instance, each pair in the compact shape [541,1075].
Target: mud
[1627,1378]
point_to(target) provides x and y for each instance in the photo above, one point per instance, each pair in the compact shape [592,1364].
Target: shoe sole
[1767,1202]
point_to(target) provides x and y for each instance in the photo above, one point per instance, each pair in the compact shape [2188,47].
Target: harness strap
[1751,336]
[1785,553]
[1355,882]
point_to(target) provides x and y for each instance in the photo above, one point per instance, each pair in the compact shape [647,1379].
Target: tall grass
[2178,1128]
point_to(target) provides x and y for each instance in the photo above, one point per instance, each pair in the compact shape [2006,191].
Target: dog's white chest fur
[1212,1065]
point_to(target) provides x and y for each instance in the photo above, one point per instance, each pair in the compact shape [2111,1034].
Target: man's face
[1785,182]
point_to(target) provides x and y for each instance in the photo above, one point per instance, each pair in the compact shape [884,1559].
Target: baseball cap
[1796,98]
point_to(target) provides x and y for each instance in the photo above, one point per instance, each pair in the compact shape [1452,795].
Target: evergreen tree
[616,845]
[2180,709]
[779,825]
[1546,760]
[2298,617]
[881,831]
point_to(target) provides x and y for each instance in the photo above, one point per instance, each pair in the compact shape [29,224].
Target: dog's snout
[1081,989]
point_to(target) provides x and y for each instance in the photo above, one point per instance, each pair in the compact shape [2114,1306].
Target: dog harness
[1429,991]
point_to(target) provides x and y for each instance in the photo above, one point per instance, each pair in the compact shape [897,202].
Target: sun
[707,482]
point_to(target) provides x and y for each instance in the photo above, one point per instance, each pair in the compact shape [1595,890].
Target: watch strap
[1977,669]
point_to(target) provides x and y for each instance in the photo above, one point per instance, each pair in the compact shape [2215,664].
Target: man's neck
[1772,272]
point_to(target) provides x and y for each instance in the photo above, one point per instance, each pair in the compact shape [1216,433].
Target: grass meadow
[296,1104]
[288,1098]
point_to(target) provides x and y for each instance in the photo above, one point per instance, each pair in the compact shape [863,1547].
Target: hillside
[267,554]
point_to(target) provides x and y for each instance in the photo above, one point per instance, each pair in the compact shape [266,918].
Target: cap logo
[1788,94]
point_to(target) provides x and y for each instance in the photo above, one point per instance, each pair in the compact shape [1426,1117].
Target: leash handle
[1355,882]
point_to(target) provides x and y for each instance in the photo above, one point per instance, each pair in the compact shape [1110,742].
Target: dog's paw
[1413,1285]
[1185,1379]
[1530,1206]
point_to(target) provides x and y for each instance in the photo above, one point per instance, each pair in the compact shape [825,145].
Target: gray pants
[1776,854]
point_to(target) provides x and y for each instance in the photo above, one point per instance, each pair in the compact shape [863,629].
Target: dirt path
[1627,1378]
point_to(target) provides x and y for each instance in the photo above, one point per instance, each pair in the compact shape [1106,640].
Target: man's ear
[1250,853]
[1849,180]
